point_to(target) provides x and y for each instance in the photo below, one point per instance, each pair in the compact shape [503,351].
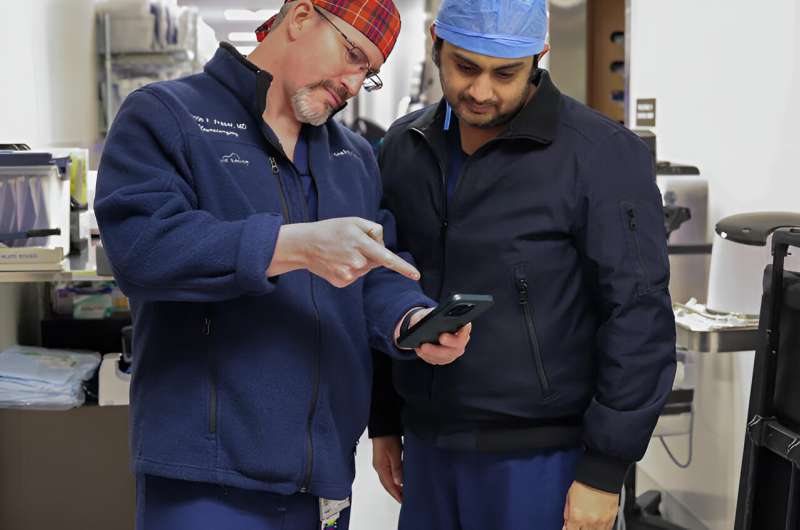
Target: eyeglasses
[357,57]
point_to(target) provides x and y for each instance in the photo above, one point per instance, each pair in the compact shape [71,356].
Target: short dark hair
[437,52]
[437,56]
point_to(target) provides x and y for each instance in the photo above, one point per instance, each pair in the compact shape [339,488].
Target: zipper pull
[274,165]
[632,219]
[206,326]
[522,286]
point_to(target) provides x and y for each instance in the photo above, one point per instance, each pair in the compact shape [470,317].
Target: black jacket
[560,219]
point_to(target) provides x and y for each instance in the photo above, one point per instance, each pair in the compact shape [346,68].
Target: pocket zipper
[633,225]
[632,219]
[212,400]
[522,288]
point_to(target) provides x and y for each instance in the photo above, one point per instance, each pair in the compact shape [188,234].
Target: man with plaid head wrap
[246,228]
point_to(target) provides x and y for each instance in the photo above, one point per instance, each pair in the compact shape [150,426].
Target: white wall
[48,91]
[381,106]
[726,75]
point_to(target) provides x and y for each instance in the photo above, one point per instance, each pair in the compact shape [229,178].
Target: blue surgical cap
[509,29]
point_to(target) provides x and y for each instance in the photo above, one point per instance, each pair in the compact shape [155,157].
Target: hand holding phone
[448,317]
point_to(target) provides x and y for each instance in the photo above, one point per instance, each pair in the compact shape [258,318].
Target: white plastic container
[35,197]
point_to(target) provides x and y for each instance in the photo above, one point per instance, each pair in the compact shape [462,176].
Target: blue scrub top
[303,168]
[455,159]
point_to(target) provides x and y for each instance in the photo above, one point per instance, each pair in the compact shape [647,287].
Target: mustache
[339,90]
[464,98]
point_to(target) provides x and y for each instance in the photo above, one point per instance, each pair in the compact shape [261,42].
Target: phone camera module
[460,310]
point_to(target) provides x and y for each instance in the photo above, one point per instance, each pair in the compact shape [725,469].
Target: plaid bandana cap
[378,20]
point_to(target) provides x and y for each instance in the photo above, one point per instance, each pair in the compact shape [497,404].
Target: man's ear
[436,53]
[299,19]
[545,50]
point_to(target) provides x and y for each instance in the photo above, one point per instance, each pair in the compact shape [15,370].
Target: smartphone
[449,316]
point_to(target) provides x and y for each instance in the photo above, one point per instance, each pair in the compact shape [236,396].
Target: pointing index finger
[386,258]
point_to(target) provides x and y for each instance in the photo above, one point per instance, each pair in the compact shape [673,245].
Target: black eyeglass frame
[373,81]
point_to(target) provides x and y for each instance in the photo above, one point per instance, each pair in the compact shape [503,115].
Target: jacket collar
[246,80]
[250,85]
[537,121]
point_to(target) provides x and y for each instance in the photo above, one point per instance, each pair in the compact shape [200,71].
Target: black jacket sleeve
[622,240]
[386,408]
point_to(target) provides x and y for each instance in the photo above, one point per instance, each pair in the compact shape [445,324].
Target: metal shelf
[81,268]
[53,276]
[720,341]
[177,52]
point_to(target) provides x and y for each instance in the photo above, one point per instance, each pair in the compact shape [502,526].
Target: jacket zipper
[522,288]
[442,234]
[445,217]
[212,400]
[312,408]
[277,175]
[304,487]
[633,226]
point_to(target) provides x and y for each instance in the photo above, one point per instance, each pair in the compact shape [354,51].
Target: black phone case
[438,321]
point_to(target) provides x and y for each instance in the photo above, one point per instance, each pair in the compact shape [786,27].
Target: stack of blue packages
[45,379]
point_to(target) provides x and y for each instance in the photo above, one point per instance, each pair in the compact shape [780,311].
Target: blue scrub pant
[166,504]
[471,490]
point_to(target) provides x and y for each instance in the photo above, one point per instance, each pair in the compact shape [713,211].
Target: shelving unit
[149,65]
[81,268]
[68,469]
[54,276]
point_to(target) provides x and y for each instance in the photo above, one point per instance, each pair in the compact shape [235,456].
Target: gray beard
[306,111]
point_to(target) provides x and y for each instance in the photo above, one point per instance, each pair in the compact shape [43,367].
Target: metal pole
[107,32]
